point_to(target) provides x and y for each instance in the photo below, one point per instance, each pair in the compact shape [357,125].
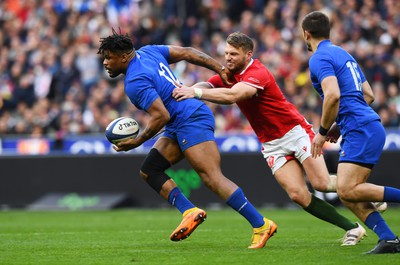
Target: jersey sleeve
[163,50]
[215,81]
[257,78]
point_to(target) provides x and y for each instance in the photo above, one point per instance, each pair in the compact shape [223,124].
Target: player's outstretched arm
[182,92]
[219,95]
[197,57]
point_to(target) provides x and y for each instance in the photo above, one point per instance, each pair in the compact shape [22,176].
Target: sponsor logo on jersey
[255,80]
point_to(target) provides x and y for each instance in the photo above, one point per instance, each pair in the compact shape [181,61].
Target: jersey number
[355,74]
[166,73]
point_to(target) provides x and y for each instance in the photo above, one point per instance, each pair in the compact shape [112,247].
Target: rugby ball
[121,129]
[380,206]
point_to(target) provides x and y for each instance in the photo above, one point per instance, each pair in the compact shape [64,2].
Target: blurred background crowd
[52,81]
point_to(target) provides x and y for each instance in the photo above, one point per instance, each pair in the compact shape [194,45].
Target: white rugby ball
[121,129]
[380,206]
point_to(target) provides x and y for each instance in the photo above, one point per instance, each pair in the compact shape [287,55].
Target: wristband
[198,92]
[322,131]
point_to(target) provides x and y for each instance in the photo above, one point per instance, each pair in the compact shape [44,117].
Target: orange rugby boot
[192,218]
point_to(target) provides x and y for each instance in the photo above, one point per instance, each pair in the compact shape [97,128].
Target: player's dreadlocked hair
[116,43]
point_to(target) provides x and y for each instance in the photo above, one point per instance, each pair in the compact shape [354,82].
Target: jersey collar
[324,43]
[250,63]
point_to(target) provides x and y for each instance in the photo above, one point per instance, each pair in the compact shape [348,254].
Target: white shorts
[295,144]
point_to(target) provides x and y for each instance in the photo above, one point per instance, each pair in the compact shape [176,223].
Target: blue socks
[240,204]
[391,194]
[237,201]
[177,199]
[376,223]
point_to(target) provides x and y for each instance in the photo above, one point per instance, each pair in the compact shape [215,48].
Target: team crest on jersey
[342,153]
[271,161]
[304,148]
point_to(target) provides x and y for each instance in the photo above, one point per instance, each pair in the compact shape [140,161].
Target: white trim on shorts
[295,144]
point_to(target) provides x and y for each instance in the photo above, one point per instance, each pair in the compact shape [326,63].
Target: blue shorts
[197,129]
[363,145]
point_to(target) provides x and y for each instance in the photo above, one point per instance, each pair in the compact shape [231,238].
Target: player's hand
[126,145]
[182,92]
[333,134]
[316,146]
[226,77]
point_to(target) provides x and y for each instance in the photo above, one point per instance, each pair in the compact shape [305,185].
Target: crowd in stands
[52,81]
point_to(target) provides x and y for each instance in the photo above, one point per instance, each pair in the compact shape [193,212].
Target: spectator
[48,59]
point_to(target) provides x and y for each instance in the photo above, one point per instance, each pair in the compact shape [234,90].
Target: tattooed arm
[197,57]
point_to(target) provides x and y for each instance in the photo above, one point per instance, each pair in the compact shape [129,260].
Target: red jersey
[269,113]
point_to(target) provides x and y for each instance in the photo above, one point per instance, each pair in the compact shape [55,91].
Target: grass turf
[141,236]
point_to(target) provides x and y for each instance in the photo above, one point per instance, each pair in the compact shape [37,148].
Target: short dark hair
[317,24]
[240,40]
[116,43]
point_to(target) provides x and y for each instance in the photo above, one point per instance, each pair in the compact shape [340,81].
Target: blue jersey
[149,76]
[332,60]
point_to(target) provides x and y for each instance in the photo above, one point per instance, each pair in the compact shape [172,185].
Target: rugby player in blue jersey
[346,95]
[189,130]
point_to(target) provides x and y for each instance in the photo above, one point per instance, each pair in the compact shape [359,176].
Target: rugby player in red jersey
[283,132]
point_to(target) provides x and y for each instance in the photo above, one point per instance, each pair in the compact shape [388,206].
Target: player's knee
[154,163]
[152,169]
[298,200]
[346,194]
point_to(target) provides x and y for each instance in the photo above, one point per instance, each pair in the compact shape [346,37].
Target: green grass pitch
[141,236]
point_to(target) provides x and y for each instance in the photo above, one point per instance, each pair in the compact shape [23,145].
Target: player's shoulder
[328,49]
[257,74]
[154,50]
[257,67]
[333,54]
[321,56]
[258,64]
[153,47]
